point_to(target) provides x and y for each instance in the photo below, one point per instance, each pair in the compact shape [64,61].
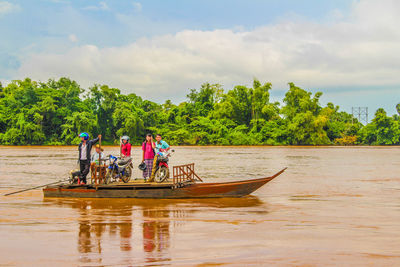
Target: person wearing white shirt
[98,154]
[84,148]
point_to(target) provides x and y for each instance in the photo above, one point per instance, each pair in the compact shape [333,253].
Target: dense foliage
[56,111]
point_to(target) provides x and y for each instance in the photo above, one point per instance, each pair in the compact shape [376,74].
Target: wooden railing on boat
[184,173]
[98,173]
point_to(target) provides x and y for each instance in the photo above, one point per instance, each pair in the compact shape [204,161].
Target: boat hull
[161,191]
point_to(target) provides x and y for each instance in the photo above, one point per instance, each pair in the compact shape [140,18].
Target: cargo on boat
[184,184]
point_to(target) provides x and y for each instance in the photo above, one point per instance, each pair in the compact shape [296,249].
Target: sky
[158,49]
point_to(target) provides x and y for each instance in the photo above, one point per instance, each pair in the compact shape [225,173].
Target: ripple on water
[333,206]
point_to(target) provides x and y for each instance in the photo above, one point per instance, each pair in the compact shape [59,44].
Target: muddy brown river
[333,206]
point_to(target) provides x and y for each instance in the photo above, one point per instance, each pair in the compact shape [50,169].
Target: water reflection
[101,222]
[97,218]
[156,234]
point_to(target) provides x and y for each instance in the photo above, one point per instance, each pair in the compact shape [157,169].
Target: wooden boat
[184,185]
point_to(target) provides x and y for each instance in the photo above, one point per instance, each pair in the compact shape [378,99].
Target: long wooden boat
[176,189]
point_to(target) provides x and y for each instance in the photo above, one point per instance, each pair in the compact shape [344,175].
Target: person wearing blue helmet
[85,147]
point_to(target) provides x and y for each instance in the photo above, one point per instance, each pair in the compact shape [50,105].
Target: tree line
[56,111]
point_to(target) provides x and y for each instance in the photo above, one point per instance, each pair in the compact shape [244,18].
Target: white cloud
[73,38]
[7,7]
[59,1]
[102,6]
[361,49]
[137,6]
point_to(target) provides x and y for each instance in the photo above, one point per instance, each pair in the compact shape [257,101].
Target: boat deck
[132,183]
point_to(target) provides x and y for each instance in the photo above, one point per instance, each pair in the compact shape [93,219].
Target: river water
[333,206]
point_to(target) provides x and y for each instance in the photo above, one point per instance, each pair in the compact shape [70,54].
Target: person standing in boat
[85,147]
[126,147]
[148,147]
[161,145]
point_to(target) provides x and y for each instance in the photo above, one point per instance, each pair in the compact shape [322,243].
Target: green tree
[203,101]
[76,123]
[305,122]
[387,129]
[56,111]
[1,91]
[127,121]
[236,105]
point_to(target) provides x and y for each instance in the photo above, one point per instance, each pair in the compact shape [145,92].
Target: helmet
[84,135]
[125,137]
[142,166]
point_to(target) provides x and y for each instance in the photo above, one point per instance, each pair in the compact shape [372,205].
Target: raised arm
[94,141]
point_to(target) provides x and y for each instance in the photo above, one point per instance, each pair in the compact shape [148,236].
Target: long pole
[36,187]
[100,151]
[120,147]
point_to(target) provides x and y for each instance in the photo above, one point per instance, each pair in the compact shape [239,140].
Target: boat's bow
[228,189]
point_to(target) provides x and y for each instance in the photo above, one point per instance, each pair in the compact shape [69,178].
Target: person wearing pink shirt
[148,147]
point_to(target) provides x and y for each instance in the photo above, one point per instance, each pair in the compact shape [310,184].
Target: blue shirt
[161,145]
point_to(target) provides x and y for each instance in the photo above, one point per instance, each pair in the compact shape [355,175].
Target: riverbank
[211,146]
